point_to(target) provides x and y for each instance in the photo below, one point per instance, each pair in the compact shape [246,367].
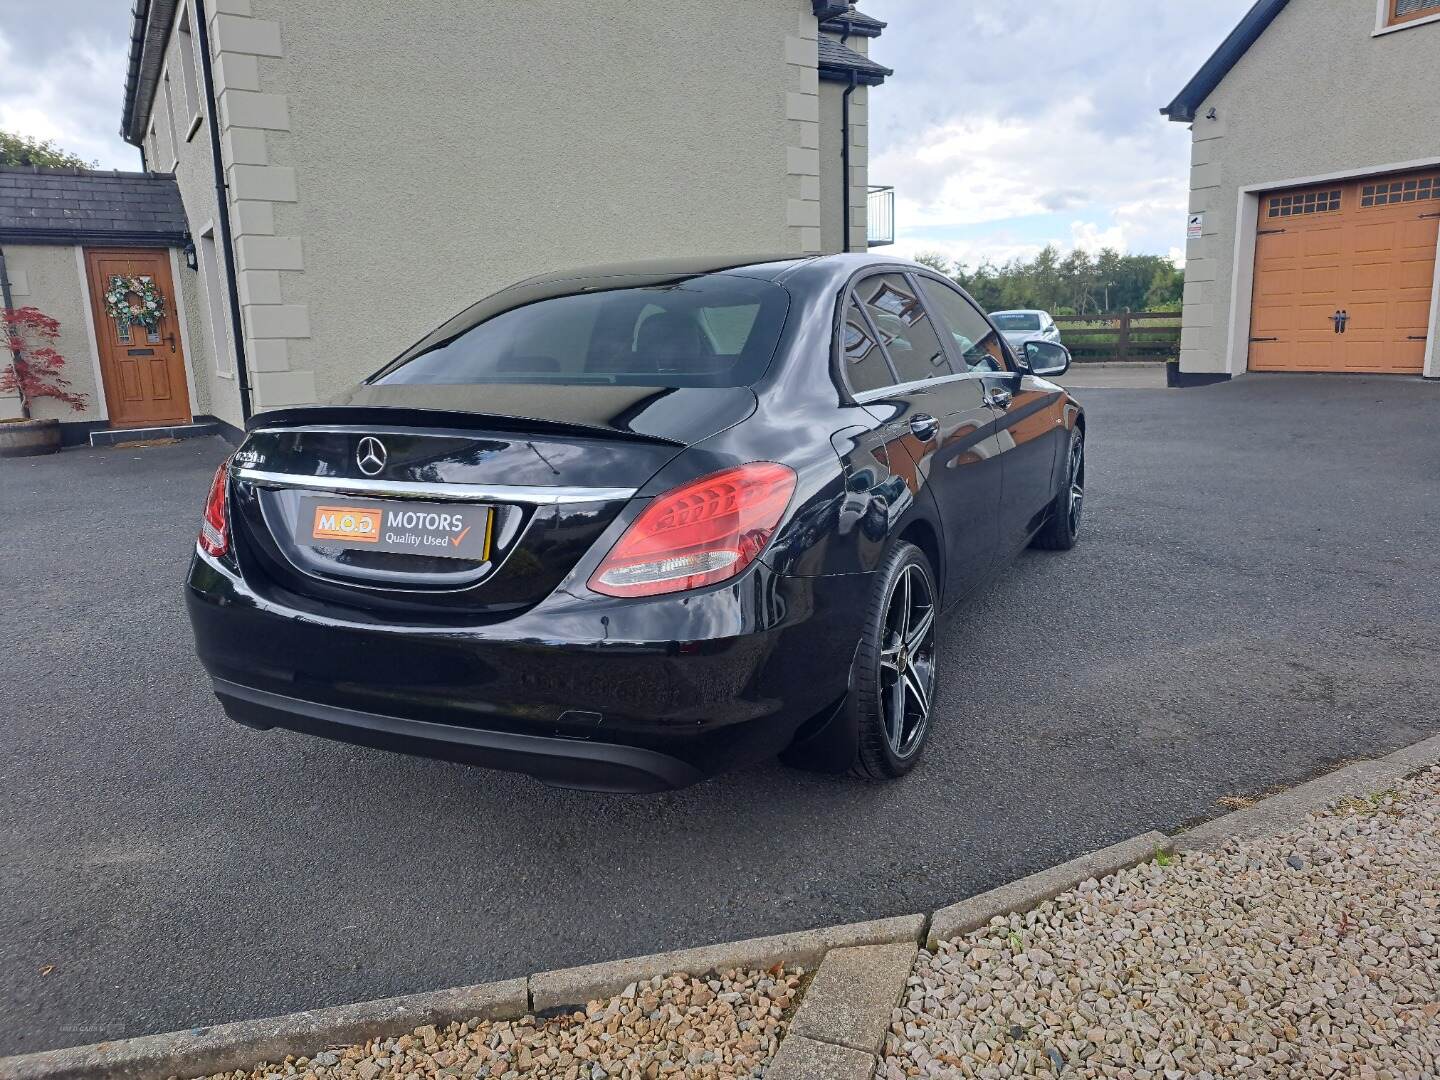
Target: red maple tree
[34,369]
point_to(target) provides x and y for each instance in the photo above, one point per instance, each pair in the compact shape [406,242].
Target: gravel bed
[1311,954]
[723,1027]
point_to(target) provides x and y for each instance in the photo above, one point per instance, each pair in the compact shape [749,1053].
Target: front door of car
[1027,414]
[933,419]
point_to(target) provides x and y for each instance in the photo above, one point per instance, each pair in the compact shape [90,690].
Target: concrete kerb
[1030,892]
[576,986]
[1289,808]
[839,1029]
[242,1045]
[812,1051]
[800,1058]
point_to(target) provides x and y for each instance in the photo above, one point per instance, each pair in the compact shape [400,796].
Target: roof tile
[838,58]
[90,202]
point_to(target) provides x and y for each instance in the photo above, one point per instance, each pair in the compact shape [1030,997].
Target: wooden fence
[1126,335]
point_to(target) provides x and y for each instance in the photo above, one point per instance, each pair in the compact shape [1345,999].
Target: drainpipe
[222,203]
[845,158]
[8,299]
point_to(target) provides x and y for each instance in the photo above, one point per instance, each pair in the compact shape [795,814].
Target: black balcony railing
[880,216]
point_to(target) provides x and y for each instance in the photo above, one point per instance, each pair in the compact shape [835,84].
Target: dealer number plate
[443,530]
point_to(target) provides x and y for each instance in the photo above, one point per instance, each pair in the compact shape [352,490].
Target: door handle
[171,339]
[999,398]
[924,426]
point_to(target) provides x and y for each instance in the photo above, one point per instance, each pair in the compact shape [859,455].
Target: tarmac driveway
[1256,598]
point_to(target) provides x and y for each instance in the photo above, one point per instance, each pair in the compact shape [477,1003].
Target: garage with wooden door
[1344,276]
[1313,215]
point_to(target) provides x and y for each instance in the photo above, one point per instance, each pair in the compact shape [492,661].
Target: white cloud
[978,170]
[1090,237]
[1009,126]
[72,95]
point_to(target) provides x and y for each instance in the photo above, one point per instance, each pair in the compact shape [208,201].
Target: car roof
[1021,311]
[768,266]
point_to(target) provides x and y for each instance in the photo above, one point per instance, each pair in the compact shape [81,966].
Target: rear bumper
[579,691]
[594,766]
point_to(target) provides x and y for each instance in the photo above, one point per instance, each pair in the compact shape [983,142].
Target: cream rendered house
[65,235]
[353,174]
[1315,192]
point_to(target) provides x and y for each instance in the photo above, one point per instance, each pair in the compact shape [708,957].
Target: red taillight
[701,533]
[215,525]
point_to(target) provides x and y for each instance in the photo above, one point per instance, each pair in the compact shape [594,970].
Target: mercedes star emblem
[370,455]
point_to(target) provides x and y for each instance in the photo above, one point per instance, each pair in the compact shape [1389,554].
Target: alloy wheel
[907,661]
[1077,484]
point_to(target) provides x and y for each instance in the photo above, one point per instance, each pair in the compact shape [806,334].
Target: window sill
[229,376]
[194,126]
[1423,20]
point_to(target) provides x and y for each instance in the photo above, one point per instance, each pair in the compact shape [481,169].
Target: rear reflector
[215,524]
[701,533]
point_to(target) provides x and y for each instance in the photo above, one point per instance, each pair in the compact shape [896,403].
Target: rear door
[934,416]
[1027,414]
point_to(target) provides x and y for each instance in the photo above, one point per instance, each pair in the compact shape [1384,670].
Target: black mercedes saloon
[626,527]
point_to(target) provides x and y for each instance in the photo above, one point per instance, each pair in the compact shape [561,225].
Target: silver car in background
[1025,324]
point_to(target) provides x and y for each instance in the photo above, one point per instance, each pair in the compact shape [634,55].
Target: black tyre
[893,682]
[1063,528]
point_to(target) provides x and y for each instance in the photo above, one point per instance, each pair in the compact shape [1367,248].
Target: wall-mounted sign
[1195,227]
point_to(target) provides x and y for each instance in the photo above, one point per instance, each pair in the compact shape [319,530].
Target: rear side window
[713,330]
[904,327]
[974,339]
[865,364]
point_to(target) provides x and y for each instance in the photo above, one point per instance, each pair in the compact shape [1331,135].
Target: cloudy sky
[1008,126]
[1005,127]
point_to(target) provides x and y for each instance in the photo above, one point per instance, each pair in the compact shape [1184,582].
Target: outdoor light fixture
[189,252]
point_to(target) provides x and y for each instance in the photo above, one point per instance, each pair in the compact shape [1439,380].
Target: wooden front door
[1363,250]
[143,367]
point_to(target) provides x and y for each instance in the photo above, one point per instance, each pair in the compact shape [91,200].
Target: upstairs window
[190,84]
[170,121]
[1404,11]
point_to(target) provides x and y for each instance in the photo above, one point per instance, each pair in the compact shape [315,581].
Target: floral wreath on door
[134,299]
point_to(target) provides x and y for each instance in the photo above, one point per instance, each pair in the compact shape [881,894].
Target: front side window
[974,338]
[703,331]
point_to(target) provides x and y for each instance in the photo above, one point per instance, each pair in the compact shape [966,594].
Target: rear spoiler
[369,416]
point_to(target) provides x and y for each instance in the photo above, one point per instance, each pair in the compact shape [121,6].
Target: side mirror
[1046,358]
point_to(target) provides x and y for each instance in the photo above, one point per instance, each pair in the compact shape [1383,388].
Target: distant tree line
[1074,284]
[17,149]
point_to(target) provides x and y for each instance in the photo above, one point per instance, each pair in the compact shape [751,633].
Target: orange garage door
[1343,276]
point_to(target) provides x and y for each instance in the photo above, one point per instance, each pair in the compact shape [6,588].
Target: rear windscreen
[703,331]
[1023,321]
